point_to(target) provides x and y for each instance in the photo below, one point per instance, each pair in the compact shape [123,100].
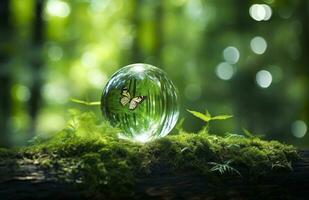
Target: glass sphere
[141,101]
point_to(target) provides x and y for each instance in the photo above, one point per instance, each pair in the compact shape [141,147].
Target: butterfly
[126,99]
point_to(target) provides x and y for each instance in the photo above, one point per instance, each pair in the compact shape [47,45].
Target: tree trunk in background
[304,42]
[5,76]
[36,64]
[136,55]
[158,35]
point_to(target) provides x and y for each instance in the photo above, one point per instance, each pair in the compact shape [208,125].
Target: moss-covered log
[86,160]
[25,179]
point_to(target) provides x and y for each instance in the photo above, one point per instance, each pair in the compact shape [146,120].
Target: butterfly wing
[125,97]
[136,101]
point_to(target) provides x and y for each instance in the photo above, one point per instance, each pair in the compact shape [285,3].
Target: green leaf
[202,116]
[207,113]
[221,117]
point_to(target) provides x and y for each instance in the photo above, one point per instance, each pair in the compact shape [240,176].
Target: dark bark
[29,181]
[276,185]
[5,76]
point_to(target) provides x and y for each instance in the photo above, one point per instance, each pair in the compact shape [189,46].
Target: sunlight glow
[89,60]
[231,55]
[142,138]
[263,78]
[96,78]
[258,45]
[55,92]
[50,122]
[58,8]
[138,68]
[299,128]
[225,71]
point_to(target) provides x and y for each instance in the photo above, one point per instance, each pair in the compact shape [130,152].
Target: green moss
[9,153]
[4,153]
[90,155]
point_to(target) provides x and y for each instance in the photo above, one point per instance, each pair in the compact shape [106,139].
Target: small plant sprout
[248,134]
[224,168]
[86,103]
[207,118]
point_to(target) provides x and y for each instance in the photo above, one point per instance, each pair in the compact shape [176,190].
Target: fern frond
[224,168]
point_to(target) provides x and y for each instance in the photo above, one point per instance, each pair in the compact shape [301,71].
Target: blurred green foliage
[246,58]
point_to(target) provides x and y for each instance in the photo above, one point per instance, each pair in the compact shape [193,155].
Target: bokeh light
[96,78]
[56,93]
[55,53]
[89,60]
[98,5]
[225,71]
[260,12]
[258,45]
[299,128]
[21,92]
[58,8]
[231,55]
[263,78]
[195,9]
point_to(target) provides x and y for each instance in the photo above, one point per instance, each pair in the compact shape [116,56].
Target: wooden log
[22,179]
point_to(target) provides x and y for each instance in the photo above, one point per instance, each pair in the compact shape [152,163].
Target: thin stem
[93,103]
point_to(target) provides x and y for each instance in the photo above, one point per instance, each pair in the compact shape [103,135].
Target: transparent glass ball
[141,101]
